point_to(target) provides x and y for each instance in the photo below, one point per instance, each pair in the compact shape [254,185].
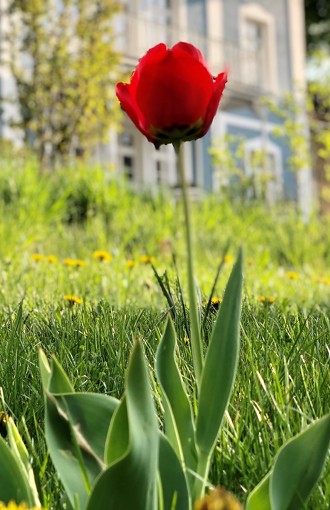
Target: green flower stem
[195,330]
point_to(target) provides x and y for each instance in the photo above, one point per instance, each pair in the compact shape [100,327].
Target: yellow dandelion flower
[74,262]
[292,275]
[102,255]
[324,280]
[228,259]
[51,259]
[216,302]
[129,264]
[14,506]
[72,300]
[218,499]
[267,300]
[145,259]
[37,257]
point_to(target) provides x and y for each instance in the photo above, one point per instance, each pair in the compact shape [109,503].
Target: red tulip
[172,96]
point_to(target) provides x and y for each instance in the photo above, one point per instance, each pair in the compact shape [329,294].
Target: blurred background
[60,59]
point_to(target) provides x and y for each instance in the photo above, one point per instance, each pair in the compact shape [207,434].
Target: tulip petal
[219,85]
[125,99]
[191,50]
[175,92]
[153,56]
[172,94]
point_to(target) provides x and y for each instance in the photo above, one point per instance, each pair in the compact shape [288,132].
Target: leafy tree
[64,64]
[308,144]
[319,107]
[317,16]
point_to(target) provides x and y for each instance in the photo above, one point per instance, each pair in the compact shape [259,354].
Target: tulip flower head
[172,96]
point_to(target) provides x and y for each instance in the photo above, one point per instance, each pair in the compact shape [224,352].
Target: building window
[258,54]
[126,154]
[253,35]
[127,162]
[161,176]
[253,43]
[126,139]
[162,165]
[157,16]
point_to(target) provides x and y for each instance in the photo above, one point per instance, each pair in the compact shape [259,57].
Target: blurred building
[262,44]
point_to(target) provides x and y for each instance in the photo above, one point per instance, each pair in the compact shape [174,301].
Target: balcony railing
[137,33]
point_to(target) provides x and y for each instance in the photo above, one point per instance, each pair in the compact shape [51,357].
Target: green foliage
[228,158]
[219,370]
[70,425]
[178,416]
[173,488]
[107,453]
[296,470]
[13,482]
[293,128]
[302,125]
[93,344]
[16,474]
[259,498]
[320,124]
[298,466]
[317,16]
[318,86]
[131,478]
[36,221]
[64,66]
[132,444]
[282,378]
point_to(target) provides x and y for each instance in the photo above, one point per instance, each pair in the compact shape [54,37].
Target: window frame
[253,12]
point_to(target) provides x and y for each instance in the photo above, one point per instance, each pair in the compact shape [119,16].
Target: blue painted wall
[197,21]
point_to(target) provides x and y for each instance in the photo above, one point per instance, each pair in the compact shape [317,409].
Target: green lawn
[283,377]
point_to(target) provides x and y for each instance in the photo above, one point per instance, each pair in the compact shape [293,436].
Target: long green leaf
[259,498]
[14,484]
[58,381]
[220,364]
[45,370]
[90,415]
[117,443]
[76,427]
[179,424]
[298,466]
[19,450]
[131,481]
[174,488]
